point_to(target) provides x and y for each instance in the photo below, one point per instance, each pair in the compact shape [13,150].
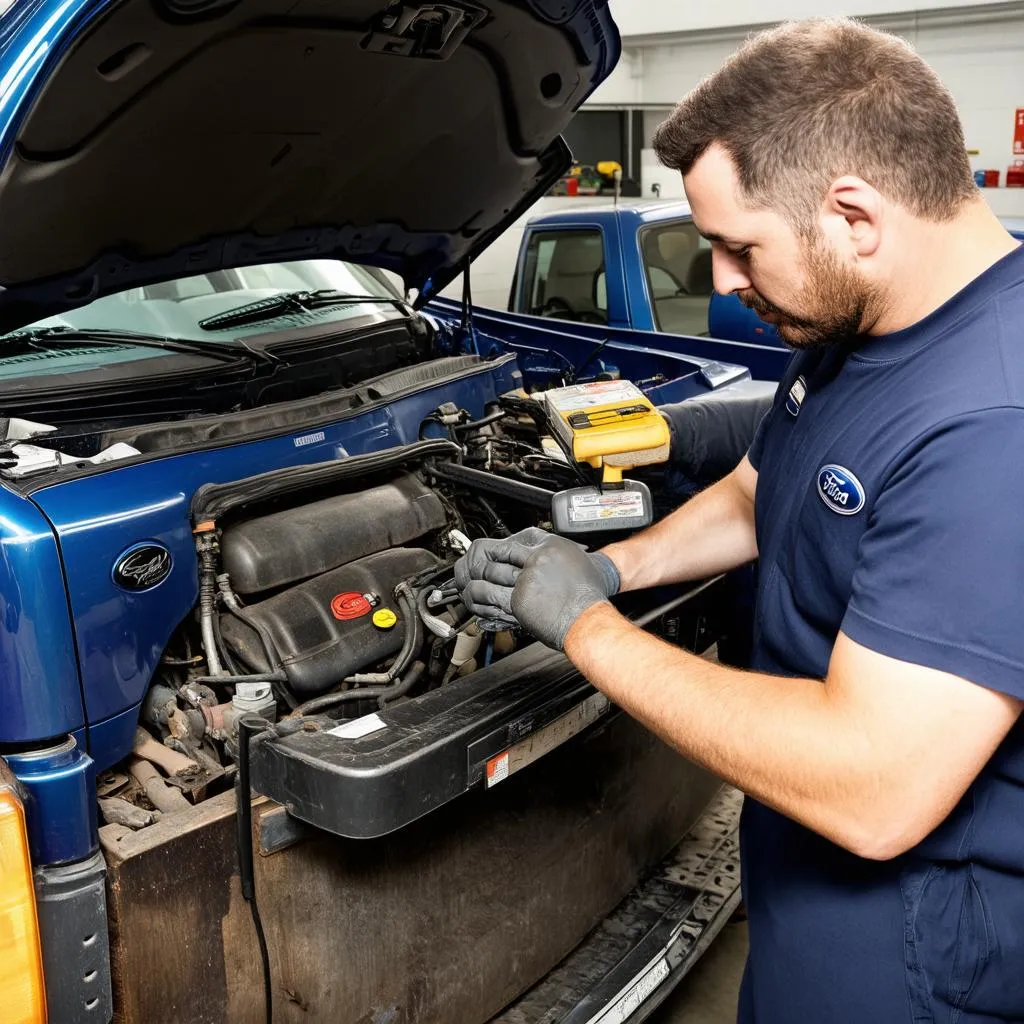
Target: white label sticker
[497,769]
[359,727]
[635,995]
[602,392]
[588,508]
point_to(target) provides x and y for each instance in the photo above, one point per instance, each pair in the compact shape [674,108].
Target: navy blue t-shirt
[890,505]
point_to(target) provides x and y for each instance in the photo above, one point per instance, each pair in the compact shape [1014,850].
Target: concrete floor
[708,995]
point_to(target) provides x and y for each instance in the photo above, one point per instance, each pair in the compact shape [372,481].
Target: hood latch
[430,31]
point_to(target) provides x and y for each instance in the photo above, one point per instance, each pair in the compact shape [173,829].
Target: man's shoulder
[976,364]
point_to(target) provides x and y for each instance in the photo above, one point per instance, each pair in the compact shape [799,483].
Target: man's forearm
[780,740]
[711,533]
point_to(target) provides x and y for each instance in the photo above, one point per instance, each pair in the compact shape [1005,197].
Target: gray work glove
[486,574]
[558,583]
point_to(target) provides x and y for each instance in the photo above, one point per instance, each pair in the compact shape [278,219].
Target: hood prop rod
[467,308]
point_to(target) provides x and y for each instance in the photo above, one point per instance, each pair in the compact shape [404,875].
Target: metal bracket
[278,830]
[430,31]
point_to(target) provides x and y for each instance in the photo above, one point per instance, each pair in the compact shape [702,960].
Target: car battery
[610,424]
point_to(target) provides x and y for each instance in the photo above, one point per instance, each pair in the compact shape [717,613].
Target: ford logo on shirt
[840,490]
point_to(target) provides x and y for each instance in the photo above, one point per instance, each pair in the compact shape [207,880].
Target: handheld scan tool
[612,426]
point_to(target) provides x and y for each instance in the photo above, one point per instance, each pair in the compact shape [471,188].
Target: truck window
[677,262]
[564,276]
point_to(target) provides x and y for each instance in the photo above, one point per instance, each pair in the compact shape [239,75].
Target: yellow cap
[384,618]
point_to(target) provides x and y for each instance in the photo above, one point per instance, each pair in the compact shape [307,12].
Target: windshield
[175,309]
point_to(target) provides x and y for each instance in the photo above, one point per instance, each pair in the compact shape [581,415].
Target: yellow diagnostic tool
[611,425]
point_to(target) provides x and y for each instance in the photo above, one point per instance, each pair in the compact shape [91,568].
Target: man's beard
[836,298]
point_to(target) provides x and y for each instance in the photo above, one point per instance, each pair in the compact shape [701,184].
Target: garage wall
[596,135]
[978,53]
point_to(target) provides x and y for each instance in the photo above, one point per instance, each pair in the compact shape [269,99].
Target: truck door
[563,274]
[676,262]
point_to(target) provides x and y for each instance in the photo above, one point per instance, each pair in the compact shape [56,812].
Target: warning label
[590,508]
[497,769]
[546,739]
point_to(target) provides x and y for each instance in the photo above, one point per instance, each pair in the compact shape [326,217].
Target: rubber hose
[382,694]
[436,626]
[413,632]
[222,652]
[484,421]
[246,866]
[258,677]
[410,644]
[207,597]
[500,529]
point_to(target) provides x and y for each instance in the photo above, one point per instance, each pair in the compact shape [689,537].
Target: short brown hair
[805,103]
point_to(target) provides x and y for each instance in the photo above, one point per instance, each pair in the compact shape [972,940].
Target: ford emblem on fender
[142,567]
[840,490]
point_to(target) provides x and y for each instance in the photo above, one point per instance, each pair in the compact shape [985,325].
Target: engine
[328,590]
[329,586]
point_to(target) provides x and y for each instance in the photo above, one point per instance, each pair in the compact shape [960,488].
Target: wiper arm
[60,337]
[275,306]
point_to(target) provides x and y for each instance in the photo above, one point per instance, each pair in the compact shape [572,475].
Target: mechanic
[877,735]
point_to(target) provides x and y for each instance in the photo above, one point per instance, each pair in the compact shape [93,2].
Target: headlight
[21,966]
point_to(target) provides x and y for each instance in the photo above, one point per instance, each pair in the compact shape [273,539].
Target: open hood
[144,140]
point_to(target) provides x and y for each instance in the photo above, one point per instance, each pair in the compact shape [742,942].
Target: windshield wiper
[69,337]
[293,302]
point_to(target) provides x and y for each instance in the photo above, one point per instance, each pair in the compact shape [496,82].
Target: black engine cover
[271,551]
[316,644]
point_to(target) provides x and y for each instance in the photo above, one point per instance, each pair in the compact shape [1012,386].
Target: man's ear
[852,213]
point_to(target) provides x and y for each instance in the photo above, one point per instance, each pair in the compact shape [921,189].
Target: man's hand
[487,572]
[557,584]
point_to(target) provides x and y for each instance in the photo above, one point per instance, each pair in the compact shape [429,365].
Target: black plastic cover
[420,753]
[316,648]
[284,547]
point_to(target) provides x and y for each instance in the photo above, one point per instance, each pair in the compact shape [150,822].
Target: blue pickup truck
[236,468]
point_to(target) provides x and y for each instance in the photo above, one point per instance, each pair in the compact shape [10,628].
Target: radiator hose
[207,601]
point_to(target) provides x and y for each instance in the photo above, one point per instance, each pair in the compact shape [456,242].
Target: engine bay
[326,592]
